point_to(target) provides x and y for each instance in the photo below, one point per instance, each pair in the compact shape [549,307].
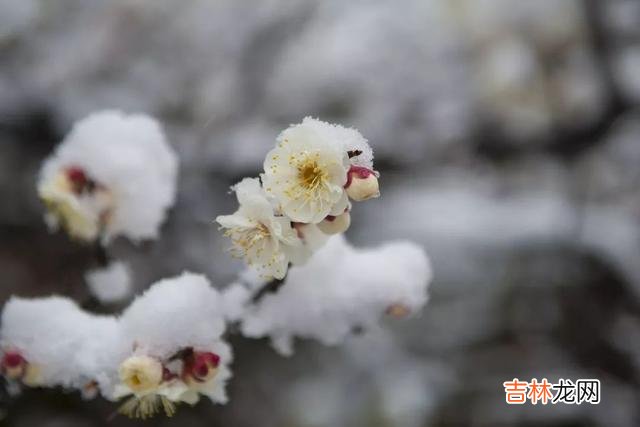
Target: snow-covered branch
[166,347]
[115,175]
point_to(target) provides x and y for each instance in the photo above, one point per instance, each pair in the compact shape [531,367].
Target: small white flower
[141,374]
[307,170]
[263,239]
[153,386]
[143,377]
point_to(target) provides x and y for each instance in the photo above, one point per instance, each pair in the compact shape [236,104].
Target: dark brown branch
[269,288]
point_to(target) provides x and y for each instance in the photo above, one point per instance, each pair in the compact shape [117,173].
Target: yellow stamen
[147,406]
[312,178]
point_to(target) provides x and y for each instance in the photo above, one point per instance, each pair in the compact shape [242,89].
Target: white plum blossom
[307,170]
[262,238]
[113,174]
[139,374]
[303,197]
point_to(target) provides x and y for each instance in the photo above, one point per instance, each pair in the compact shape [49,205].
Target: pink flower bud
[362,184]
[201,366]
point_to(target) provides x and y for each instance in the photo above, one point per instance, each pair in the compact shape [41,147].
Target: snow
[111,283]
[340,289]
[73,348]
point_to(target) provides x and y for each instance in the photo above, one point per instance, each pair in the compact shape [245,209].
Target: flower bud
[77,178]
[32,376]
[13,365]
[398,311]
[141,373]
[335,224]
[201,366]
[362,184]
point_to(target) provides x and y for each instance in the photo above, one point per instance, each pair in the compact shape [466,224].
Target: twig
[270,288]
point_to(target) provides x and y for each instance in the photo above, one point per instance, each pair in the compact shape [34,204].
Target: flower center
[135,380]
[247,238]
[311,175]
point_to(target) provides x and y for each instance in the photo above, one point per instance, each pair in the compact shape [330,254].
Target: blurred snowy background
[507,134]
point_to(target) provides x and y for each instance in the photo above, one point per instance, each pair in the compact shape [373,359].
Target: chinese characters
[564,391]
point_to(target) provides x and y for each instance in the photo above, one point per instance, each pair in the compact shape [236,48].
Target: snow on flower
[67,346]
[116,175]
[166,348]
[303,197]
[175,328]
[339,290]
[77,203]
[264,240]
[307,170]
[113,174]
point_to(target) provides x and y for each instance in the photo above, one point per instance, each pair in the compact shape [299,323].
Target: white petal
[235,221]
[341,205]
[247,188]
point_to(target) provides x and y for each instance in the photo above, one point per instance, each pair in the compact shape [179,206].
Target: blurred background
[507,134]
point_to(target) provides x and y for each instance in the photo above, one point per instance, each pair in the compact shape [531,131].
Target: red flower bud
[12,360]
[201,366]
[13,364]
[78,179]
[76,175]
